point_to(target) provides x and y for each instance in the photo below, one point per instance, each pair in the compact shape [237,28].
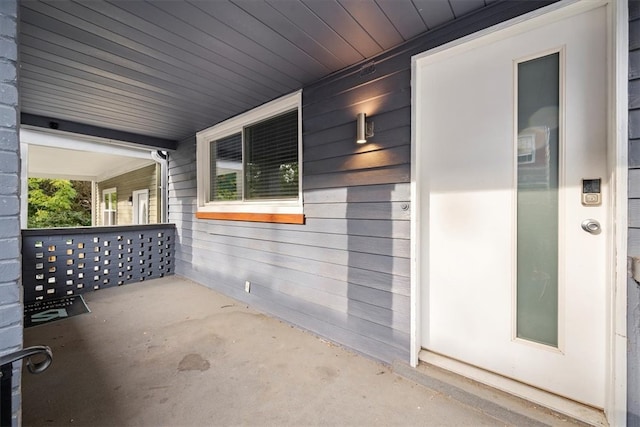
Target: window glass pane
[271,150]
[226,163]
[110,201]
[537,230]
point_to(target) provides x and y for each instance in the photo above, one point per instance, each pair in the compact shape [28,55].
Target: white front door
[141,207]
[513,160]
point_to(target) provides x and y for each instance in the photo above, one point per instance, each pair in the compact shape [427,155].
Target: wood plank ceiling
[168,68]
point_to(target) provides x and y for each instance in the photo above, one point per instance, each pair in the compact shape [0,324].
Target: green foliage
[289,179]
[272,181]
[226,187]
[58,203]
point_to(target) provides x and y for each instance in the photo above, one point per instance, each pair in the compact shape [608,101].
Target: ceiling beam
[84,129]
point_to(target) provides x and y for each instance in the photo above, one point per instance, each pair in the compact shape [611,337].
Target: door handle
[591,226]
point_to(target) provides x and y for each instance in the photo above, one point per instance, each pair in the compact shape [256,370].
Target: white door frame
[616,375]
[136,207]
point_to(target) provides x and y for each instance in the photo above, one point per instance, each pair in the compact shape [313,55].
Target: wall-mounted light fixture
[365,129]
[131,200]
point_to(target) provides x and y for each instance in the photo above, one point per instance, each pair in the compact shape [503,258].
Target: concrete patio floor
[170,352]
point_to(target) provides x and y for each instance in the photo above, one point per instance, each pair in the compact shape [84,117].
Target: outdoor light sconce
[365,129]
[131,200]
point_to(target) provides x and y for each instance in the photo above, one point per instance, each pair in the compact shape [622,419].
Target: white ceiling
[47,162]
[57,155]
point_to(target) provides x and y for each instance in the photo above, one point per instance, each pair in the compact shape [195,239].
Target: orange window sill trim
[253,217]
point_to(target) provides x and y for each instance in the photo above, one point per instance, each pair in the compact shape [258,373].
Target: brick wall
[10,289]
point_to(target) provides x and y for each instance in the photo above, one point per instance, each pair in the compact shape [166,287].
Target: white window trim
[235,125]
[104,203]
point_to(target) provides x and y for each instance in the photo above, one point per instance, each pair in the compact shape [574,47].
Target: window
[249,167]
[109,206]
[526,148]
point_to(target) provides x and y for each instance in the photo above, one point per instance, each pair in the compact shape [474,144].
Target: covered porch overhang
[157,72]
[76,157]
[53,154]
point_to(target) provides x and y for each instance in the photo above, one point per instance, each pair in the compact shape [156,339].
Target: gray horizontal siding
[633,289]
[309,285]
[339,273]
[369,228]
[345,273]
[145,178]
[255,237]
[317,276]
[301,253]
[343,180]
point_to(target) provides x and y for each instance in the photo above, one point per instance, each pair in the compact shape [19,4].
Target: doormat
[41,312]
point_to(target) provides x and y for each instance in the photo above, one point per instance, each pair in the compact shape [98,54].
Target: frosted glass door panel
[538,171]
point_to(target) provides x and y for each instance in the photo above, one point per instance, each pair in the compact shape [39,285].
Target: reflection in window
[226,159]
[538,102]
[258,163]
[109,204]
[272,158]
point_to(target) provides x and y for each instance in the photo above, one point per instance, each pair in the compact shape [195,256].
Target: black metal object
[6,375]
[69,261]
[5,394]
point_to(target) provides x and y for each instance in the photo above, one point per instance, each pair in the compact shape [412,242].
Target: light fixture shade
[361,136]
